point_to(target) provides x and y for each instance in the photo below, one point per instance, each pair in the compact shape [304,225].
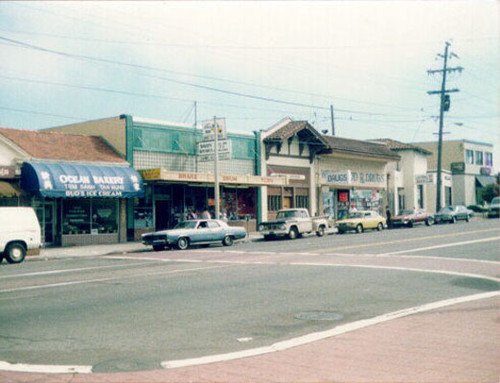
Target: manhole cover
[319,315]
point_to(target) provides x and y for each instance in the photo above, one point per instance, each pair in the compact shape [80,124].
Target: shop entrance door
[287,202]
[162,214]
[46,217]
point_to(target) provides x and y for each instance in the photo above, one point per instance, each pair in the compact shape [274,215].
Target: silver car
[194,232]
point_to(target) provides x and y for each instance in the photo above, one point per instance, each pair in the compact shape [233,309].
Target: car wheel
[228,241]
[182,243]
[158,247]
[341,231]
[380,227]
[453,219]
[268,237]
[410,224]
[359,229]
[429,221]
[467,219]
[293,233]
[15,253]
[321,231]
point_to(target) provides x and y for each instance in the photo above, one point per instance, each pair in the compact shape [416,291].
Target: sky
[255,63]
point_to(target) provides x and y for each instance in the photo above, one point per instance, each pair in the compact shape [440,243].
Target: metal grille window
[302,201]
[274,202]
[489,159]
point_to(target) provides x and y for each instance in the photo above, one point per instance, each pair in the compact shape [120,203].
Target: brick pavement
[459,343]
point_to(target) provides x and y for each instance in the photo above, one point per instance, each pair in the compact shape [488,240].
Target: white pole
[216,170]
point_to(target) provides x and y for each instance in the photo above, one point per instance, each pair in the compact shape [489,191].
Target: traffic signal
[446,103]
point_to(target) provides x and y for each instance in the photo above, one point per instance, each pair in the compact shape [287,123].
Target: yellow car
[360,221]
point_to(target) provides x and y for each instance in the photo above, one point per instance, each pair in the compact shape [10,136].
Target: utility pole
[444,106]
[333,120]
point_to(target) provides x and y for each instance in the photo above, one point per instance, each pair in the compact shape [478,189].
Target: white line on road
[49,272]
[80,282]
[50,369]
[309,338]
[445,245]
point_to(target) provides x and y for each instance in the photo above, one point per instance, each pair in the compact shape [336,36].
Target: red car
[410,217]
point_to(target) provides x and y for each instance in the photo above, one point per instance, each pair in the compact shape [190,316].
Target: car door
[369,220]
[201,233]
[305,222]
[217,233]
[461,212]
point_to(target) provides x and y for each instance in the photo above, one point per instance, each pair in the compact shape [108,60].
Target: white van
[19,232]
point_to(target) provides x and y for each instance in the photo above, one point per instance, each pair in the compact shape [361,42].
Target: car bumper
[273,232]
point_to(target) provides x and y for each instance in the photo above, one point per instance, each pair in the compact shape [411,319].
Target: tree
[491,191]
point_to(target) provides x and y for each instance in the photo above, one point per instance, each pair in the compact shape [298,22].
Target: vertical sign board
[208,129]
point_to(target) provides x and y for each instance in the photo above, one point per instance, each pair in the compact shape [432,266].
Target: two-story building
[471,166]
[178,178]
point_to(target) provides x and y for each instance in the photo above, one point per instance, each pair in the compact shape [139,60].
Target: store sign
[290,177]
[424,179]
[7,172]
[330,177]
[348,177]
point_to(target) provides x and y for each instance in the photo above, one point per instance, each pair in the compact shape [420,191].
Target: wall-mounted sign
[457,167]
[331,177]
[424,179]
[294,177]
[348,177]
[206,150]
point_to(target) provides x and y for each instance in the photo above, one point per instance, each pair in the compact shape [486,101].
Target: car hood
[277,221]
[403,217]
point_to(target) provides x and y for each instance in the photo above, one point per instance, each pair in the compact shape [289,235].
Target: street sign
[206,150]
[209,129]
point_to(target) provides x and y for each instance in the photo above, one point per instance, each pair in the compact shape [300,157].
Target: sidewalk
[97,250]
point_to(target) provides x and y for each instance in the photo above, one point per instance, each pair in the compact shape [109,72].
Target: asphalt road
[134,311]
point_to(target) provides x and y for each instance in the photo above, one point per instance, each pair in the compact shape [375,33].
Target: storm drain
[319,316]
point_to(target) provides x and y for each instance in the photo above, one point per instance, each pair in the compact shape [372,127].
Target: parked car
[453,214]
[19,232]
[360,221]
[195,232]
[410,217]
[292,223]
[494,208]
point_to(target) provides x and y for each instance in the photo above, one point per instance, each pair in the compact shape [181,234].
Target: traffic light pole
[443,96]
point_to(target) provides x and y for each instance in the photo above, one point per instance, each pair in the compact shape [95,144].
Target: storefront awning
[160,174]
[9,190]
[484,181]
[79,180]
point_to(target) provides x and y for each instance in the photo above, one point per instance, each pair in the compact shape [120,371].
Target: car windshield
[355,215]
[407,212]
[446,209]
[186,225]
[287,214]
[495,201]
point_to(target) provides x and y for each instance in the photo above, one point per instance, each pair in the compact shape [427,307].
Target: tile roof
[367,148]
[397,145]
[62,146]
[293,128]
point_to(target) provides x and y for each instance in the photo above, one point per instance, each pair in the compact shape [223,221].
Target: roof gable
[61,146]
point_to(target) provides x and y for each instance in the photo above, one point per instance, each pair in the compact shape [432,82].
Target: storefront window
[104,216]
[302,201]
[366,200]
[143,211]
[274,202]
[87,216]
[239,203]
[76,216]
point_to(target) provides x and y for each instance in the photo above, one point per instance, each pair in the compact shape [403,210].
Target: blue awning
[77,180]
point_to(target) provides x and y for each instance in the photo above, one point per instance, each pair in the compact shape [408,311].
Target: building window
[469,157]
[479,158]
[489,159]
[86,216]
[302,201]
[274,202]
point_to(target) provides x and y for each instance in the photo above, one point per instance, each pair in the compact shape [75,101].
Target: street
[145,310]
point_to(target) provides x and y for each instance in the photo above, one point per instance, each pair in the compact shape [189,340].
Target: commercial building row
[111,180]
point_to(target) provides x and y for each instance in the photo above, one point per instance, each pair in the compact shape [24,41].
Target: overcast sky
[254,63]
